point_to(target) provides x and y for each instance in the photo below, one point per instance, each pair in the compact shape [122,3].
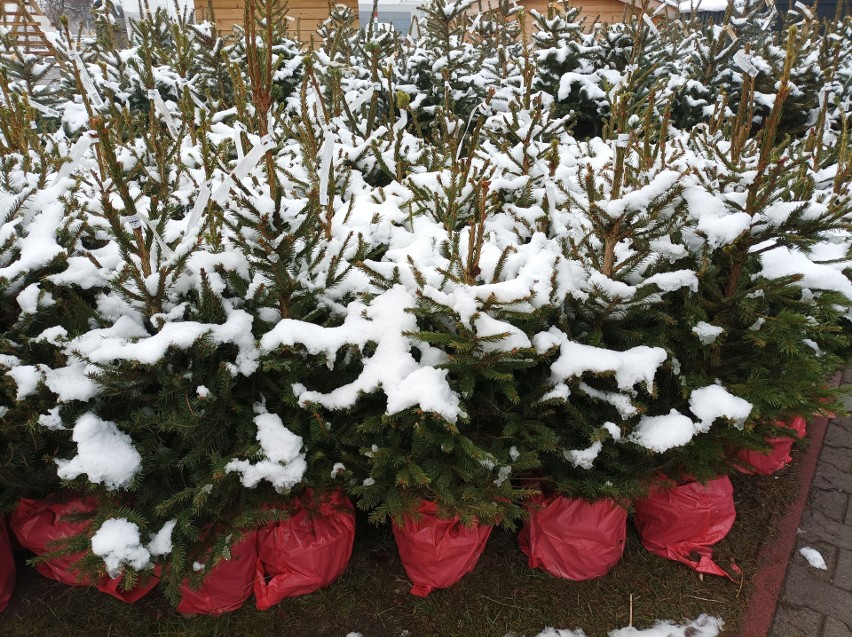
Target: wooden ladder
[24,22]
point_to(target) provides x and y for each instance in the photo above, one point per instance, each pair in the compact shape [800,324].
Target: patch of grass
[500,596]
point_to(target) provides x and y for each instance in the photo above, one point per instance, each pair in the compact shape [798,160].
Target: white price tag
[623,140]
[133,221]
[45,110]
[243,168]
[327,154]
[651,26]
[198,208]
[162,109]
[86,79]
[75,155]
[362,99]
[731,33]
[744,61]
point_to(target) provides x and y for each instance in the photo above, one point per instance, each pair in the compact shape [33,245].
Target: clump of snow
[161,543]
[104,454]
[51,420]
[583,458]
[703,626]
[813,557]
[202,392]
[283,464]
[714,401]
[707,333]
[117,541]
[661,433]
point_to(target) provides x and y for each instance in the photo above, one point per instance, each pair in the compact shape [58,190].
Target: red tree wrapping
[7,567]
[42,525]
[437,553]
[304,553]
[227,585]
[682,524]
[766,463]
[574,539]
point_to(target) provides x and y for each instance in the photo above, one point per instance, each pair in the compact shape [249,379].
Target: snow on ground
[813,557]
[704,626]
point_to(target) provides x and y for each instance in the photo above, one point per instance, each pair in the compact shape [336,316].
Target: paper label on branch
[162,109]
[731,33]
[199,207]
[133,221]
[651,26]
[550,191]
[164,247]
[362,99]
[76,154]
[744,61]
[45,110]
[220,195]
[243,168]
[325,166]
[623,140]
[86,80]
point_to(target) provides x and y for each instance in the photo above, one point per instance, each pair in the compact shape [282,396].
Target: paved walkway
[817,603]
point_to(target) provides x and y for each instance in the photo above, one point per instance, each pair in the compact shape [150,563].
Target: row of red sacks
[568,538]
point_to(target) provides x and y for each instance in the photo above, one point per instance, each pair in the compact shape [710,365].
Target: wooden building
[305,15]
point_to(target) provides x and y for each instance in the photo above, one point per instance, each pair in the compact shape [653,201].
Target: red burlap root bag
[227,585]
[573,539]
[40,524]
[766,463]
[7,567]
[304,553]
[682,524]
[437,553]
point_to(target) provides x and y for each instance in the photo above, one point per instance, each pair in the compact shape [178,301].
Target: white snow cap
[104,453]
[284,463]
[714,401]
[117,542]
[661,433]
[161,543]
[707,333]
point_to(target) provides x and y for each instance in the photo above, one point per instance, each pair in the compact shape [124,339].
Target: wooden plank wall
[306,15]
[607,11]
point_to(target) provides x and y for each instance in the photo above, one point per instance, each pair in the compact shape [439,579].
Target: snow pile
[703,626]
[813,557]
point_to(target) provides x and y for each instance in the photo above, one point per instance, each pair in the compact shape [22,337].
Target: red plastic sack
[765,463]
[574,539]
[227,585]
[304,553]
[41,526]
[7,567]
[682,524]
[437,553]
